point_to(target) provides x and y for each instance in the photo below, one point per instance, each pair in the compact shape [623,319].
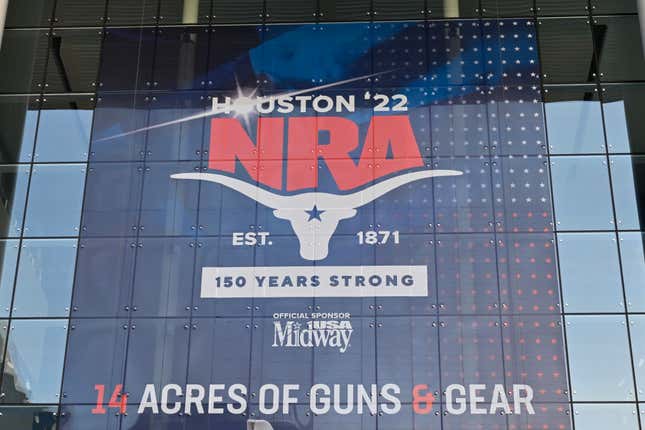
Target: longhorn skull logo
[314,216]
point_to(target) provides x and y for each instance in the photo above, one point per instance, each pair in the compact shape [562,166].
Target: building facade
[304,214]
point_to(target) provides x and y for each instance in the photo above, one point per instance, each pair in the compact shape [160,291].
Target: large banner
[319,226]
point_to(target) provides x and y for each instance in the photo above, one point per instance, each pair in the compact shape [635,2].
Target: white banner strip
[319,281]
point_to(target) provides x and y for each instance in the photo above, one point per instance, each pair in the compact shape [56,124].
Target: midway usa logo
[318,330]
[276,164]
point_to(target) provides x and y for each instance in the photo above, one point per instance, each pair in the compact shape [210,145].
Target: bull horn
[368,195]
[266,198]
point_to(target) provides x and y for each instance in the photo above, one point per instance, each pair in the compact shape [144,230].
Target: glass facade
[142,190]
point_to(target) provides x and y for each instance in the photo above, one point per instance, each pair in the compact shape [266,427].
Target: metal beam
[641,18]
[4,4]
[191,12]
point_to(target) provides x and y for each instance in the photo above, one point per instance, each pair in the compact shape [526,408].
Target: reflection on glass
[602,7]
[501,8]
[453,8]
[14,181]
[79,12]
[29,417]
[599,342]
[632,252]
[561,8]
[22,61]
[574,120]
[581,193]
[400,9]
[73,60]
[181,57]
[566,49]
[64,129]
[637,325]
[184,11]
[628,176]
[242,11]
[34,361]
[55,200]
[590,272]
[624,108]
[45,278]
[34,13]
[131,12]
[600,417]
[18,121]
[290,10]
[8,260]
[619,48]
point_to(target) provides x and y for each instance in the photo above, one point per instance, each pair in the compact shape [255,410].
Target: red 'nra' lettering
[390,146]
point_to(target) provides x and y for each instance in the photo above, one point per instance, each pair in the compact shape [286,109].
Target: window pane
[241,12]
[112,199]
[581,193]
[566,49]
[55,199]
[29,417]
[132,12]
[400,9]
[561,8]
[628,179]
[453,9]
[514,8]
[181,57]
[346,10]
[184,12]
[619,48]
[45,278]
[64,119]
[35,13]
[290,10]
[82,418]
[18,121]
[632,252]
[4,328]
[599,342]
[34,361]
[14,181]
[599,417]
[574,120]
[104,276]
[8,261]
[229,48]
[590,272]
[127,58]
[73,61]
[79,12]
[95,355]
[605,7]
[22,61]
[637,326]
[624,107]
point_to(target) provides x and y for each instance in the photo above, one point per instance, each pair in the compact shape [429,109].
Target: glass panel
[346,10]
[34,361]
[453,9]
[79,12]
[14,181]
[184,12]
[599,342]
[64,129]
[112,199]
[8,261]
[566,50]
[132,12]
[632,253]
[290,10]
[103,282]
[4,328]
[628,180]
[95,355]
[561,8]
[599,417]
[73,61]
[82,418]
[18,122]
[400,9]
[581,193]
[36,13]
[163,281]
[55,200]
[169,206]
[22,61]
[242,11]
[157,354]
[181,58]
[29,417]
[230,49]
[399,52]
[45,278]
[605,7]
[514,8]
[449,44]
[127,58]
[619,48]
[590,272]
[624,107]
[574,120]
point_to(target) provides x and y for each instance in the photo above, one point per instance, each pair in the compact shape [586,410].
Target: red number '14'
[114,402]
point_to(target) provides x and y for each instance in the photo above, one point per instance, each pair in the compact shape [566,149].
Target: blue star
[315,214]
